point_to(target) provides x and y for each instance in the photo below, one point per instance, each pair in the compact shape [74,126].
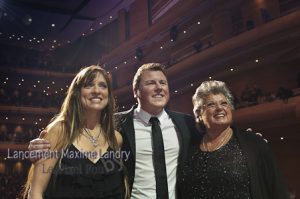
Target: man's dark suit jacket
[185,128]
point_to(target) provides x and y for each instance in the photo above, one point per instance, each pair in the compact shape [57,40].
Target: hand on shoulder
[257,133]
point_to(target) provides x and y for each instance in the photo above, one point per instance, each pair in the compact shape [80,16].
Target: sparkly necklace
[93,139]
[219,142]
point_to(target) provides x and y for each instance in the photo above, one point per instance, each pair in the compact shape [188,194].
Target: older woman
[84,133]
[227,163]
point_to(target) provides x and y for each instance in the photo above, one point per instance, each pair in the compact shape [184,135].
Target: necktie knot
[154,121]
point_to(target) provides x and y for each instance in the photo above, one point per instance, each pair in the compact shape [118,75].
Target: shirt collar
[145,116]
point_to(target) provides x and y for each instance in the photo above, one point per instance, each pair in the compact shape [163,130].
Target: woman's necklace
[216,143]
[93,139]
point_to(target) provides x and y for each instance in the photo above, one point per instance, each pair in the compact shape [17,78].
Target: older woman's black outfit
[244,168]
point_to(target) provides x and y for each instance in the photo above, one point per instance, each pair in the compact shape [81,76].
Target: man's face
[153,92]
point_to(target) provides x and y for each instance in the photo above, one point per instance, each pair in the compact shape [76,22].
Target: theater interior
[251,45]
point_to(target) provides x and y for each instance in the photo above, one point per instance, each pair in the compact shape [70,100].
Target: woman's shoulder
[54,132]
[119,138]
[251,138]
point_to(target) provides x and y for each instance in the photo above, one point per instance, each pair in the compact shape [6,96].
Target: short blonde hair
[206,88]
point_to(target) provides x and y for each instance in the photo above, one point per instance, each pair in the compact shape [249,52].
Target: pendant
[94,141]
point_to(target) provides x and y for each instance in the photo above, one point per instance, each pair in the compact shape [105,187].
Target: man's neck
[151,112]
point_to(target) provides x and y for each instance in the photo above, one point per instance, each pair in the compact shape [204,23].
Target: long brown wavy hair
[72,114]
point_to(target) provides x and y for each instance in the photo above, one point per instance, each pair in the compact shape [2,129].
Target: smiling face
[153,91]
[216,112]
[94,94]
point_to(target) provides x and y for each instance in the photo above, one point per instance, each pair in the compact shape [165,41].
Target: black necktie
[159,160]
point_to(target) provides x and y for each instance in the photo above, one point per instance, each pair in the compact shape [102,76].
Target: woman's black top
[221,174]
[78,177]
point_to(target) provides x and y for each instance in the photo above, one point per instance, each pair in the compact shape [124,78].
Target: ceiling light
[53,82]
[52,46]
[231,69]
[198,22]
[38,81]
[256,60]
[100,23]
[68,41]
[281,138]
[161,47]
[83,34]
[125,62]
[43,39]
[176,91]
[13,35]
[30,40]
[6,78]
[29,19]
[34,38]
[20,84]
[4,82]
[18,38]
[23,118]
[116,67]
[40,119]
[54,41]
[10,37]
[184,32]
[91,29]
[34,86]
[6,118]
[48,87]
[192,84]
[22,36]
[1,33]
[22,80]
[110,17]
[209,78]
[53,25]
[38,41]
[5,14]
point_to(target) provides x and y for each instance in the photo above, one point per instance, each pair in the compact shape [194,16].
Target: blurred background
[252,45]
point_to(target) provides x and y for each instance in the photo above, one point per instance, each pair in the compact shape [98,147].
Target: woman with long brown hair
[82,162]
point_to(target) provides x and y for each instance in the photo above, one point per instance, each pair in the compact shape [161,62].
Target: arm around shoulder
[42,169]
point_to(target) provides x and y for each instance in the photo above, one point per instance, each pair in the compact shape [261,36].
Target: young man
[146,179]
[151,89]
